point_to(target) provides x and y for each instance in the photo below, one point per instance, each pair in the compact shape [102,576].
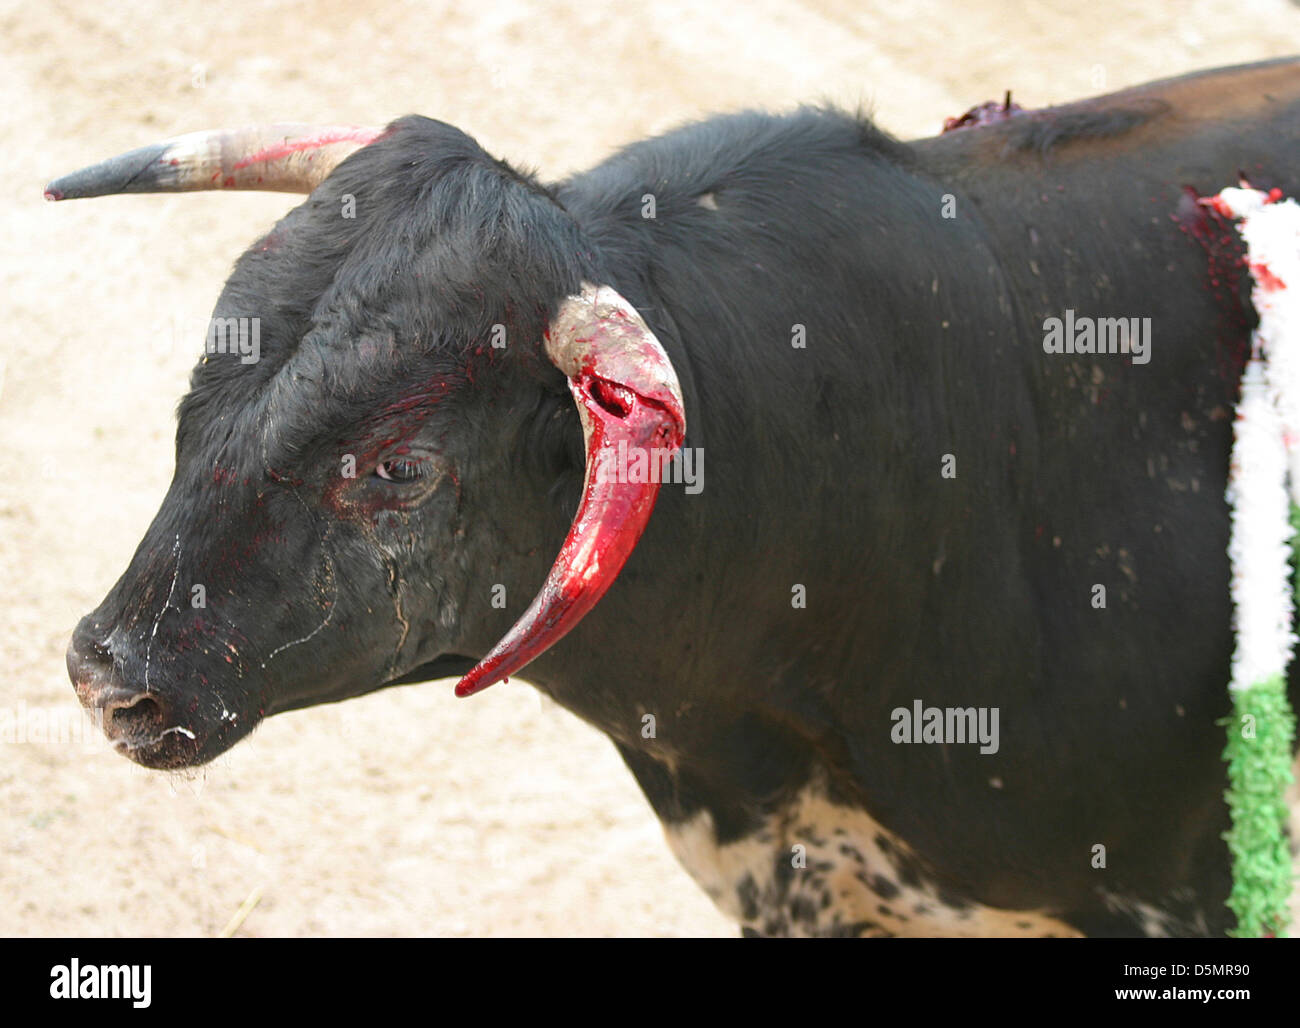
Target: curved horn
[627,393]
[290,158]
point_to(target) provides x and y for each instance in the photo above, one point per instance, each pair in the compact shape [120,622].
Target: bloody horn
[290,158]
[626,391]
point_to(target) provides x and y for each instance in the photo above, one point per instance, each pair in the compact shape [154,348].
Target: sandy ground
[407,812]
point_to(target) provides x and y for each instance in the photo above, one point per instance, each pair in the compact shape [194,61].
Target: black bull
[906,499]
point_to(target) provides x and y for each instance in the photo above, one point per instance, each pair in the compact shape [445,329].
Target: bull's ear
[627,393]
[291,158]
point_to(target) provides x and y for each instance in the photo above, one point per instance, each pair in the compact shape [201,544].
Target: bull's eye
[400,469]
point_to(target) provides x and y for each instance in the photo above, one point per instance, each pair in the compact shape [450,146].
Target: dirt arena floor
[408,812]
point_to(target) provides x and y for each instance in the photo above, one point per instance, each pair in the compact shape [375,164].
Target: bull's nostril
[141,716]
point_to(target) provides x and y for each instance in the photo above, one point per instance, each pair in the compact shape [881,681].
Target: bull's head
[348,490]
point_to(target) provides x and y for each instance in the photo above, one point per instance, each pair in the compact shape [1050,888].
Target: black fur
[924,338]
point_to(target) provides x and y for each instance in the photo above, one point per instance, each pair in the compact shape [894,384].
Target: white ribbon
[1266,450]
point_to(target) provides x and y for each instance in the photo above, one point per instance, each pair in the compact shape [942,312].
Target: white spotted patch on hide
[1150,920]
[850,884]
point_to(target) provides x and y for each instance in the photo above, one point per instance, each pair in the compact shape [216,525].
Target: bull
[862,674]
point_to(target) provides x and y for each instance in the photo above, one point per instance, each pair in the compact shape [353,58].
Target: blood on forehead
[394,422]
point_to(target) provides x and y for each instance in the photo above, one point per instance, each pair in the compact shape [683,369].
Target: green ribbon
[1261,735]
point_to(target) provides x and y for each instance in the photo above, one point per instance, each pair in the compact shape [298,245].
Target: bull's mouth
[138,728]
[142,727]
[172,747]
[156,727]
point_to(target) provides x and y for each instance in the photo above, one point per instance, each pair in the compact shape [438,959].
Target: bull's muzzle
[139,723]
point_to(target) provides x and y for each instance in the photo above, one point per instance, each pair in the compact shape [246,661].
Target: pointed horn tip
[483,674]
[468,686]
[74,187]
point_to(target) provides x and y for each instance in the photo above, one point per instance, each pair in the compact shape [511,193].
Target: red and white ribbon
[1266,449]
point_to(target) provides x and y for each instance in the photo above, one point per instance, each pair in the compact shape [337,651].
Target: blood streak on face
[397,423]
